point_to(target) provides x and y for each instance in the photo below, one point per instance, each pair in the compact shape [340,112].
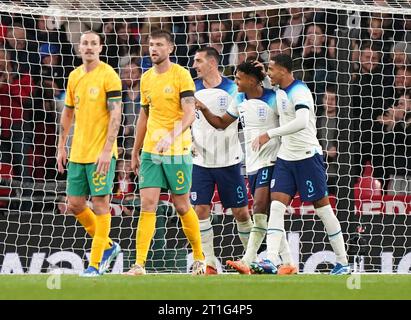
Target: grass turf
[187,287]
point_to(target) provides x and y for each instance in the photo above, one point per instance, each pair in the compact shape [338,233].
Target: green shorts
[167,172]
[83,180]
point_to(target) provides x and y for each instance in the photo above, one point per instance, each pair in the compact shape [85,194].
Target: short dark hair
[283,60]
[210,52]
[331,88]
[161,33]
[100,38]
[249,68]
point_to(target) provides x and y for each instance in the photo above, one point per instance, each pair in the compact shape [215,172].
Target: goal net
[355,56]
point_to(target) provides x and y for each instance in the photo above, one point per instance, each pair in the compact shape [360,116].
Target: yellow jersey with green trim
[88,93]
[161,93]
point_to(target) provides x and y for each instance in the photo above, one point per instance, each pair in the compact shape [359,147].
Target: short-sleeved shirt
[216,148]
[162,93]
[88,93]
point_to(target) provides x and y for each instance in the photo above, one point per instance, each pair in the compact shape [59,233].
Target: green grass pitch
[187,287]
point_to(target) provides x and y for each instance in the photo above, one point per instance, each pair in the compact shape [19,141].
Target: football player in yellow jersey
[94,98]
[163,134]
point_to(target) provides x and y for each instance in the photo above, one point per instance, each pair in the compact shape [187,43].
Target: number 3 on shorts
[180,177]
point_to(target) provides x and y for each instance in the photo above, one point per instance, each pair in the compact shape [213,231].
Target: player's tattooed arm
[114,107]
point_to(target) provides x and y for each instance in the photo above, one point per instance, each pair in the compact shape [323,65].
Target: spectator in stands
[75,26]
[52,73]
[189,41]
[125,185]
[218,38]
[379,37]
[45,30]
[237,23]
[21,52]
[278,46]
[402,80]
[314,67]
[3,59]
[130,77]
[252,34]
[45,131]
[368,95]
[401,54]
[245,52]
[294,29]
[120,45]
[16,135]
[404,34]
[327,133]
[125,180]
[395,137]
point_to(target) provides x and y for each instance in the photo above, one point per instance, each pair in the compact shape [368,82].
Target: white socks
[333,228]
[276,239]
[256,238]
[244,230]
[207,242]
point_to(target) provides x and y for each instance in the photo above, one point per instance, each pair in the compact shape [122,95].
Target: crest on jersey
[168,89]
[194,196]
[76,101]
[222,102]
[262,113]
[94,91]
[284,104]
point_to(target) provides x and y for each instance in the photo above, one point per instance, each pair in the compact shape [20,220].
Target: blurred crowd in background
[38,52]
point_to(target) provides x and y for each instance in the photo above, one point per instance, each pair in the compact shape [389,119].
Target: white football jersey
[302,144]
[215,148]
[257,116]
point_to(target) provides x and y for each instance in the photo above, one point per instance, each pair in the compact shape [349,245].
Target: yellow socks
[102,231]
[87,218]
[191,228]
[145,232]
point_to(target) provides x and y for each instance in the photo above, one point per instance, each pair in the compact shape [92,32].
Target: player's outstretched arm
[141,129]
[66,120]
[217,122]
[103,161]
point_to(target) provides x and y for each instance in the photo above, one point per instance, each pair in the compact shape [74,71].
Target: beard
[159,60]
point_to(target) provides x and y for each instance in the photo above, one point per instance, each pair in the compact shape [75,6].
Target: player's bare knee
[284,198]
[203,211]
[321,203]
[101,205]
[76,205]
[182,208]
[148,207]
[260,206]
[241,214]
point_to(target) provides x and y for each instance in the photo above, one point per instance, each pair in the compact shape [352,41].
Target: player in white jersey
[255,106]
[217,156]
[300,166]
